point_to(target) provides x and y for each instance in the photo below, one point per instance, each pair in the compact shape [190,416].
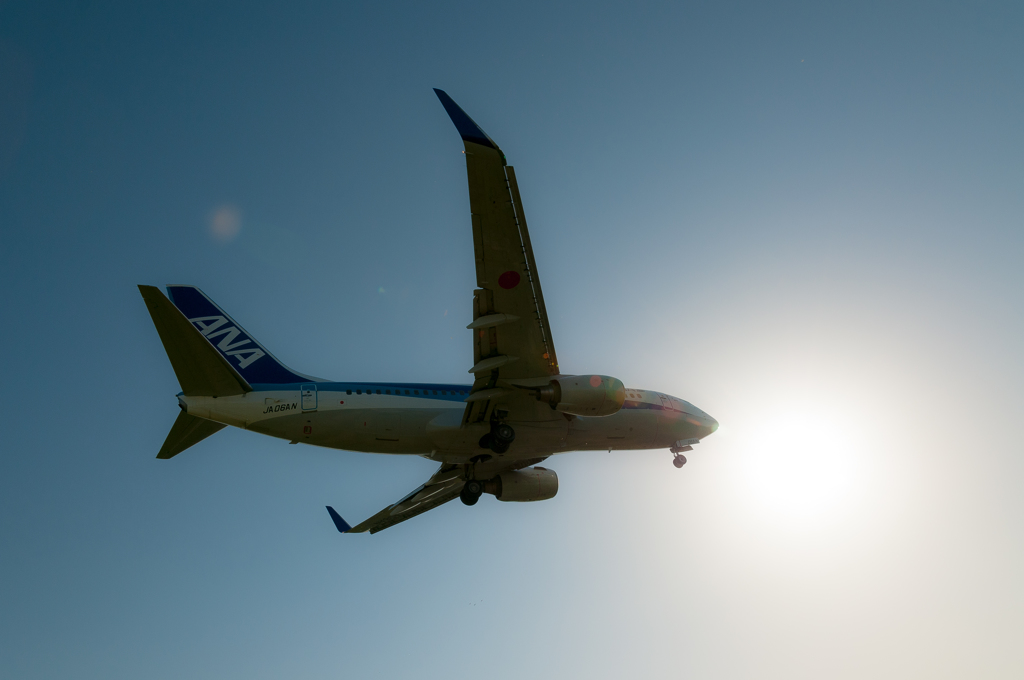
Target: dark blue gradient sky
[805,219]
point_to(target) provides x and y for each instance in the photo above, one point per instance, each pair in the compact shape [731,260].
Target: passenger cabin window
[348,391]
[378,391]
[359,391]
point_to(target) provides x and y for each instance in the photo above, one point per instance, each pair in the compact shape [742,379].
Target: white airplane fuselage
[426,420]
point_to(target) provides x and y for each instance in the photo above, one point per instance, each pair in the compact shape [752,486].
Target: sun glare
[800,465]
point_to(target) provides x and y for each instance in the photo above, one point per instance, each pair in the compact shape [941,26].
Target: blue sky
[804,219]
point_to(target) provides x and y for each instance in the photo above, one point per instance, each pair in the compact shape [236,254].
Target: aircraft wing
[442,487]
[512,337]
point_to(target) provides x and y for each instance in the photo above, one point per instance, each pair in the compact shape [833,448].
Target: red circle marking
[595,381]
[509,280]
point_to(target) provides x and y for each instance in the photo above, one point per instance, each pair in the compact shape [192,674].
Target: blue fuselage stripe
[439,391]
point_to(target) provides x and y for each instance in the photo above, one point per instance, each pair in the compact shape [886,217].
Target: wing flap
[531,268]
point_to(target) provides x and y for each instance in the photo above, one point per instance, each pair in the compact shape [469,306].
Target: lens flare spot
[225,223]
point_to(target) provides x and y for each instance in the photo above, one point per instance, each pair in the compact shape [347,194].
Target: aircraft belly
[283,427]
[438,432]
[376,430]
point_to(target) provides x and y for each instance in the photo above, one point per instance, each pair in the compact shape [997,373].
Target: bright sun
[800,464]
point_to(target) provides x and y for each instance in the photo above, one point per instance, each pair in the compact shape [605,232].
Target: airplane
[489,436]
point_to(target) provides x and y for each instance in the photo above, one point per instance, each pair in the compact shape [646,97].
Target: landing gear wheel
[468,498]
[679,461]
[474,488]
[504,433]
[500,437]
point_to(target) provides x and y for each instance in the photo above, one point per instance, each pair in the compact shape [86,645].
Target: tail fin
[187,431]
[247,356]
[201,370]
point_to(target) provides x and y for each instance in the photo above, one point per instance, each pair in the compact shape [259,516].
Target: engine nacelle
[585,395]
[522,486]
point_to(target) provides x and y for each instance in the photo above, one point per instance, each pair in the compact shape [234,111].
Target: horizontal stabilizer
[342,525]
[201,370]
[187,431]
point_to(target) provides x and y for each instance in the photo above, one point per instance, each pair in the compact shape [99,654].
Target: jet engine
[584,395]
[521,486]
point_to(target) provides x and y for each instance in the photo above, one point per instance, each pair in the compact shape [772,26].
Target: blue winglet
[469,130]
[342,525]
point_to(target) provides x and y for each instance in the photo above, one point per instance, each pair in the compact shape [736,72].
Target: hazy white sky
[805,220]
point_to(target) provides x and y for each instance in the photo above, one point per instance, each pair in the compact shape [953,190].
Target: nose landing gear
[678,459]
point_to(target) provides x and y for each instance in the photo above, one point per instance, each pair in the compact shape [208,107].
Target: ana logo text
[245,350]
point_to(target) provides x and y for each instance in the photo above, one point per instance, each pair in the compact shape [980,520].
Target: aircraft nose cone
[710,425]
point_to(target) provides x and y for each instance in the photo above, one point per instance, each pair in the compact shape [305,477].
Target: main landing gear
[471,492]
[499,438]
[679,460]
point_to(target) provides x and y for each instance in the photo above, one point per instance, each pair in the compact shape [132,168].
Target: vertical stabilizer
[242,351]
[201,370]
